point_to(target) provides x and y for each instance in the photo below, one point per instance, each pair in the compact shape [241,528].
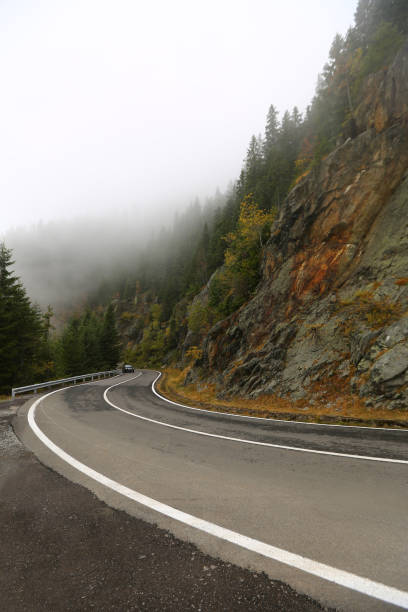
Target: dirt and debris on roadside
[64,549]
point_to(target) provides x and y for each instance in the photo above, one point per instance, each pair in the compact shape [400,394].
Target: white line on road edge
[243,440]
[346,579]
[245,416]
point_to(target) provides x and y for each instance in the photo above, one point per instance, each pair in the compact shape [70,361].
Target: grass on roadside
[329,404]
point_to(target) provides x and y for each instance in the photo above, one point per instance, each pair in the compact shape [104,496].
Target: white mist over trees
[63,263]
[110,105]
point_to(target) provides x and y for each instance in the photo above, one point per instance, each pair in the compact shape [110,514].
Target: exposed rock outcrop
[333,302]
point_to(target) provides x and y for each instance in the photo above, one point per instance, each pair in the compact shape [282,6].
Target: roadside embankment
[332,409]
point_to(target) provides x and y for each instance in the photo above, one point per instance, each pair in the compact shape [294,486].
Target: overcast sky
[111,104]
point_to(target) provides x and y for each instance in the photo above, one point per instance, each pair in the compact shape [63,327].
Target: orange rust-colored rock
[315,272]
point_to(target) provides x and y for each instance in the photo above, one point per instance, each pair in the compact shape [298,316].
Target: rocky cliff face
[332,308]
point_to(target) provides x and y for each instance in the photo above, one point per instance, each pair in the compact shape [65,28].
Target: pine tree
[110,349]
[253,165]
[21,329]
[72,349]
[90,335]
[46,361]
[271,130]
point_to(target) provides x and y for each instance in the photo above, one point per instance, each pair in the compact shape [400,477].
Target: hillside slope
[331,311]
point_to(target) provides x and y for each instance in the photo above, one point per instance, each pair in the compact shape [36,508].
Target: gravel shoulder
[64,549]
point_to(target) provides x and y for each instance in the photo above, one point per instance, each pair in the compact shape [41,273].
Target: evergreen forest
[143,315]
[31,353]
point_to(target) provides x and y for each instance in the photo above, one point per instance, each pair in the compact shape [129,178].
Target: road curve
[377,444]
[308,510]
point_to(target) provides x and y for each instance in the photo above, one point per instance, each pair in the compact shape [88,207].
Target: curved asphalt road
[349,514]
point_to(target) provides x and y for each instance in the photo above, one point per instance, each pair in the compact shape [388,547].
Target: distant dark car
[127,368]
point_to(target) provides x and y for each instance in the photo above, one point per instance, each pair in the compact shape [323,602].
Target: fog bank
[134,104]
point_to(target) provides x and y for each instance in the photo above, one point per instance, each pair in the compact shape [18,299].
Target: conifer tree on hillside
[110,347]
[22,330]
[72,349]
[90,340]
[271,130]
[89,344]
[253,165]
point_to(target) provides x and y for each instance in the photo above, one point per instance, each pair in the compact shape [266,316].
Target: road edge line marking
[242,440]
[244,416]
[343,578]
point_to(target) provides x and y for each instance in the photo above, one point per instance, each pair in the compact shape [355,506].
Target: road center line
[242,440]
[346,579]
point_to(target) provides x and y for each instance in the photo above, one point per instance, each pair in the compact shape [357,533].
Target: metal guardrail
[62,381]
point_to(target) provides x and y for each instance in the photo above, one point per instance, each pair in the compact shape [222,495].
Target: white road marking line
[244,416]
[243,440]
[346,579]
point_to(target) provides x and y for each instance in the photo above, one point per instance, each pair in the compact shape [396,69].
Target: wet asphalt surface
[366,441]
[64,549]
